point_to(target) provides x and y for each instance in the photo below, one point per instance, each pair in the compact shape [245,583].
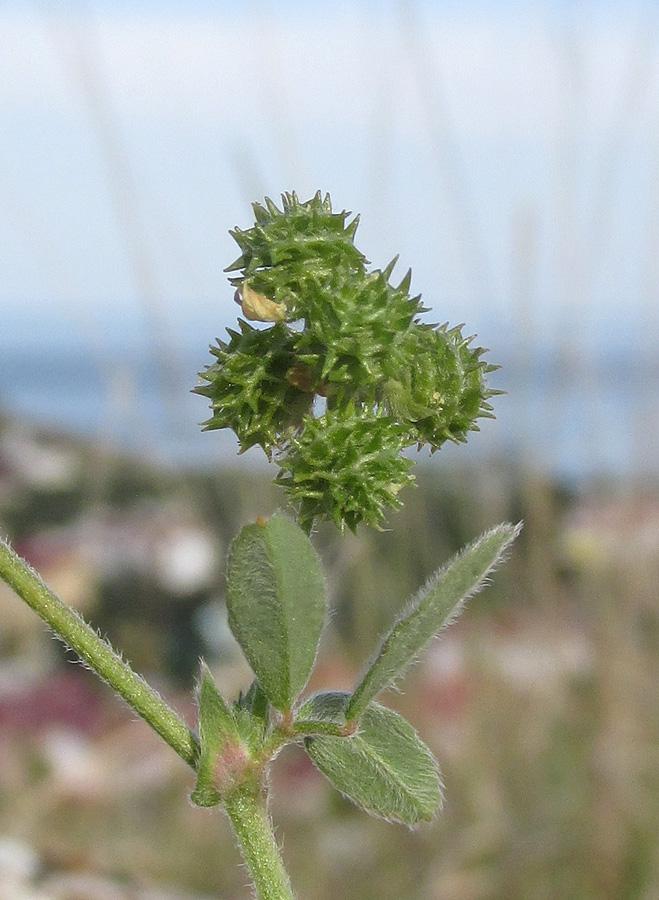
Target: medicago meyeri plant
[336,379]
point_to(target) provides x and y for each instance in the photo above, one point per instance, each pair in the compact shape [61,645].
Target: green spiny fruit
[346,465]
[346,338]
[444,392]
[355,329]
[288,249]
[249,390]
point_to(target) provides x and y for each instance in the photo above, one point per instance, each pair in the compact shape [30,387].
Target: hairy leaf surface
[219,738]
[385,768]
[437,603]
[276,604]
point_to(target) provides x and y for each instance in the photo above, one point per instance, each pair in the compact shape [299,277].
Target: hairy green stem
[98,654]
[253,829]
[245,809]
[295,732]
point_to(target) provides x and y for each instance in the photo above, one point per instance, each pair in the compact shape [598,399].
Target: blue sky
[508,152]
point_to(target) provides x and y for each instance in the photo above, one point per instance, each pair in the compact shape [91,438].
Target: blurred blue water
[598,420]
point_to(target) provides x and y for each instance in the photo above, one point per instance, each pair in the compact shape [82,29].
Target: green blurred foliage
[541,703]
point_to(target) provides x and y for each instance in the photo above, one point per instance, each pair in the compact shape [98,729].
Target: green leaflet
[385,768]
[433,607]
[224,757]
[255,702]
[252,712]
[276,604]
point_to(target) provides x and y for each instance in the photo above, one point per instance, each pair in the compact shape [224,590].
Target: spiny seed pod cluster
[344,376]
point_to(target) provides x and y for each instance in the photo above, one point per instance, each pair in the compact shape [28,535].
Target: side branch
[98,655]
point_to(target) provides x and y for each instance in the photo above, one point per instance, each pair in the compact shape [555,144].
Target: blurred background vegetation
[540,702]
[511,156]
